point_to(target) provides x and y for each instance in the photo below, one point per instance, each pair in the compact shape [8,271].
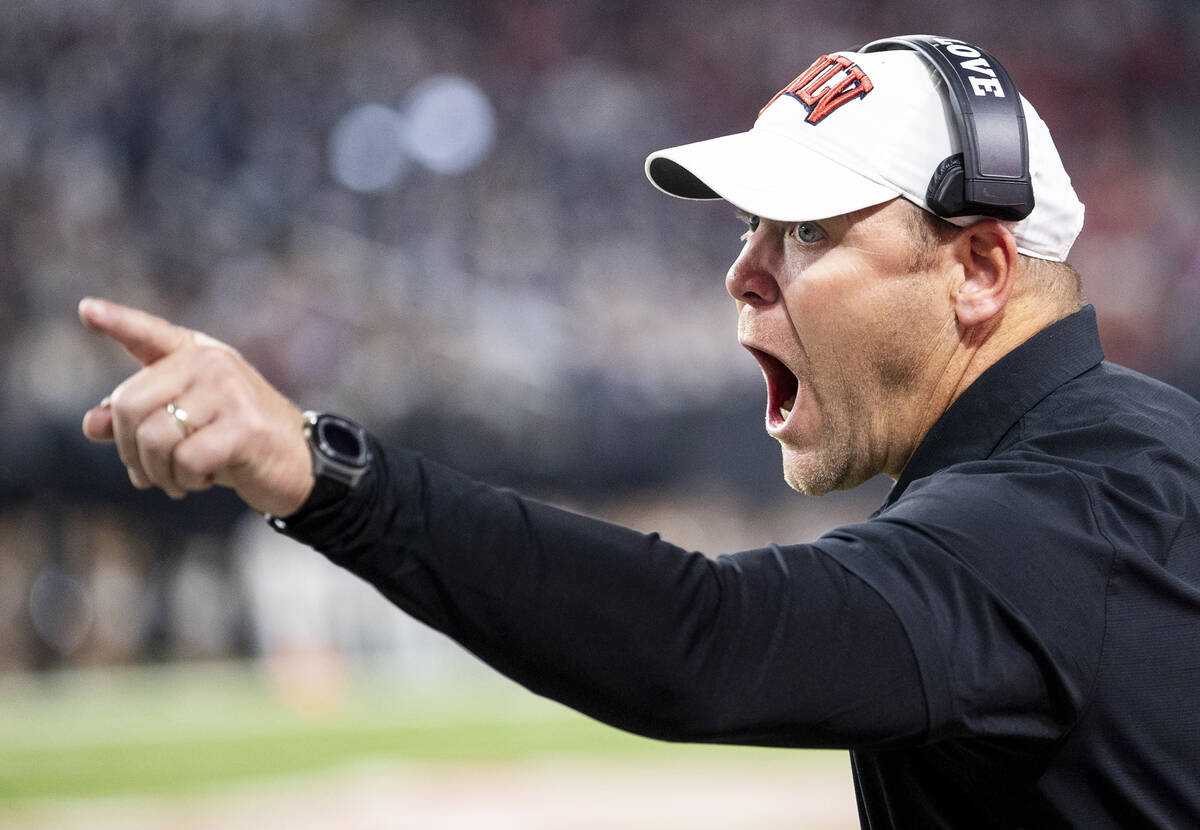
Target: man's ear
[987,254]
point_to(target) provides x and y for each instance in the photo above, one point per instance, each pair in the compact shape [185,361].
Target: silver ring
[181,418]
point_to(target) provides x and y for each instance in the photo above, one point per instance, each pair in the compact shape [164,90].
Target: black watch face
[342,440]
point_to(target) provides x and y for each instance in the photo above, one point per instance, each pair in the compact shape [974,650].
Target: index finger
[145,336]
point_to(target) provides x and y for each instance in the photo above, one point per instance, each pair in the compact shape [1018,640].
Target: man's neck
[965,355]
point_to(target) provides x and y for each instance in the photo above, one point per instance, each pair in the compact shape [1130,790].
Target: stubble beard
[840,456]
[821,470]
[844,454]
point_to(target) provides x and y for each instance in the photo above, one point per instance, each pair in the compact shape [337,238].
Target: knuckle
[147,434]
[197,463]
[224,377]
[119,400]
[216,355]
[189,463]
[204,341]
[259,431]
[128,400]
[229,386]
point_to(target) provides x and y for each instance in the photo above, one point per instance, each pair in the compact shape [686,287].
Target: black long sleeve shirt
[1012,640]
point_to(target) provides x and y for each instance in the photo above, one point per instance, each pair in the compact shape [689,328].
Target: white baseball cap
[856,130]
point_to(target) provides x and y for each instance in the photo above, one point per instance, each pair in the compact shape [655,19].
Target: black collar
[974,424]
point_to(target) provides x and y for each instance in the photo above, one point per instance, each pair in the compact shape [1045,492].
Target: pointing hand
[197,414]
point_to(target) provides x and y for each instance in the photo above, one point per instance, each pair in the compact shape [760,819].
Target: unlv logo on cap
[831,81]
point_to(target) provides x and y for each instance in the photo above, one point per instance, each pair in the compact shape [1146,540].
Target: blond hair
[1043,279]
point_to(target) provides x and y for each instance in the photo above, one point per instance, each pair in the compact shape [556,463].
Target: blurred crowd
[430,215]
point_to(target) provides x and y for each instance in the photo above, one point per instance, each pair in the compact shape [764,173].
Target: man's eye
[751,225]
[808,232]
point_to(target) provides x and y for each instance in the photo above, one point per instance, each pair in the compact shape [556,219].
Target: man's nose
[749,279]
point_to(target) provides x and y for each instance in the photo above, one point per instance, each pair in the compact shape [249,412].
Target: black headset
[990,177]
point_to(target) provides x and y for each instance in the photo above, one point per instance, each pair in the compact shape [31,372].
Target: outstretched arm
[777,646]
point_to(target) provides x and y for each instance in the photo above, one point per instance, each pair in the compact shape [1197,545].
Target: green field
[193,729]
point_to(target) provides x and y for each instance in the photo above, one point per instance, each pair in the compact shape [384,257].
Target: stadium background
[431,216]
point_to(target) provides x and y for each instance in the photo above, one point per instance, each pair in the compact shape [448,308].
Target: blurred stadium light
[367,148]
[451,124]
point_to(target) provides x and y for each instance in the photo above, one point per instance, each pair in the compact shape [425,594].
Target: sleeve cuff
[328,502]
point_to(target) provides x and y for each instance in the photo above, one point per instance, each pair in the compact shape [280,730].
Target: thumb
[98,423]
[146,337]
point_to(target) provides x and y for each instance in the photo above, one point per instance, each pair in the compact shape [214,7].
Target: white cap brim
[765,174]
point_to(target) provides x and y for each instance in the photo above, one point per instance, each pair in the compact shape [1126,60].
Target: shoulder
[1000,579]
[1022,496]
[1020,528]
[1112,409]
[1131,441]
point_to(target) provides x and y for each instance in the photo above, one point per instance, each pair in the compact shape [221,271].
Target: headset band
[991,124]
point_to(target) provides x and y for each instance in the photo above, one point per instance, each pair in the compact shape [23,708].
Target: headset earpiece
[945,193]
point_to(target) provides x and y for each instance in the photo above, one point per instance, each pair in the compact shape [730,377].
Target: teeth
[785,413]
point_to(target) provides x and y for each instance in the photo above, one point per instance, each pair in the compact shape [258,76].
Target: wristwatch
[340,457]
[339,448]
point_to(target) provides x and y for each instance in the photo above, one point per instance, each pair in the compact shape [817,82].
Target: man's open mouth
[782,387]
